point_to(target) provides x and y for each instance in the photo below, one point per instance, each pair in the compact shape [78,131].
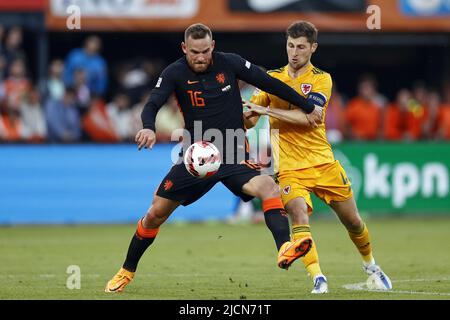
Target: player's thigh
[262,186]
[347,213]
[332,183]
[179,186]
[296,184]
[240,180]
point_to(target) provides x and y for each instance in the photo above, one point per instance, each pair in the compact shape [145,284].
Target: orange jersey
[295,147]
[364,118]
[443,122]
[393,123]
[416,117]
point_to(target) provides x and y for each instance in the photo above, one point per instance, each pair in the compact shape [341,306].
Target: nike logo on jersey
[191,82]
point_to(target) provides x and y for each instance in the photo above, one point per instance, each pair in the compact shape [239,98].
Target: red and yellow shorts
[328,181]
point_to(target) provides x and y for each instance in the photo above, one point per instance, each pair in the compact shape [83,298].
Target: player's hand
[315,117]
[250,114]
[145,138]
[254,107]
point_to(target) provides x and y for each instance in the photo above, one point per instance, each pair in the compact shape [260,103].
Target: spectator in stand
[137,77]
[82,91]
[89,59]
[13,46]
[2,128]
[363,113]
[443,118]
[53,88]
[134,81]
[17,85]
[430,126]
[394,116]
[136,110]
[419,92]
[2,55]
[2,34]
[63,120]
[97,124]
[417,113]
[2,67]
[11,126]
[120,115]
[335,119]
[168,119]
[33,119]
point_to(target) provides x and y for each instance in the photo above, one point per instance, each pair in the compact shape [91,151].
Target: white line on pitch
[361,286]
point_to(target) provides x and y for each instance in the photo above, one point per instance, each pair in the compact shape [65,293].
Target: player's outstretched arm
[294,116]
[159,95]
[252,74]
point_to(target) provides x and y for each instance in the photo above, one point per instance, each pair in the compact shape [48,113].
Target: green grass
[218,261]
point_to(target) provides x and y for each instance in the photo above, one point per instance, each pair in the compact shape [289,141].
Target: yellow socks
[362,243]
[311,259]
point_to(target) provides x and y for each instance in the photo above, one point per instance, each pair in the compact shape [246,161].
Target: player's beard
[199,67]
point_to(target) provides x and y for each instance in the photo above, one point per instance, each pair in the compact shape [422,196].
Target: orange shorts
[328,181]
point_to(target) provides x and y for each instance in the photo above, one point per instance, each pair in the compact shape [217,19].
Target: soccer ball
[202,159]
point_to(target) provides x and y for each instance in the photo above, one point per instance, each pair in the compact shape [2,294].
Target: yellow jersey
[295,147]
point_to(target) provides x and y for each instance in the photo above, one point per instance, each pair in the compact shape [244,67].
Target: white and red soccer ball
[202,159]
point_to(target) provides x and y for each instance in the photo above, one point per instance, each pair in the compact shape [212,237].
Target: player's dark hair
[197,31]
[303,29]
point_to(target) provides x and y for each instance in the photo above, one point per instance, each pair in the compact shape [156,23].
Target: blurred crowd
[71,104]
[416,113]
[74,103]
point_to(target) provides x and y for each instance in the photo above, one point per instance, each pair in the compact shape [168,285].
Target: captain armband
[317,98]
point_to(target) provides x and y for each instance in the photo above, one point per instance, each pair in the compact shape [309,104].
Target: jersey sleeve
[321,91]
[260,97]
[158,96]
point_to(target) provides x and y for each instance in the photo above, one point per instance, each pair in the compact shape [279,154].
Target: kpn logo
[404,180]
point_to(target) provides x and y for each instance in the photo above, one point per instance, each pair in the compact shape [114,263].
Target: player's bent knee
[298,209]
[354,225]
[268,188]
[160,210]
[262,187]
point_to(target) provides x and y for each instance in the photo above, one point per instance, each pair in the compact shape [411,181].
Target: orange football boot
[119,281]
[292,250]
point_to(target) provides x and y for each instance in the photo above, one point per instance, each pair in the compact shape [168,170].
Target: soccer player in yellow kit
[304,160]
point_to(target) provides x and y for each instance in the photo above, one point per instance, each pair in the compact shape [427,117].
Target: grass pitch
[219,261]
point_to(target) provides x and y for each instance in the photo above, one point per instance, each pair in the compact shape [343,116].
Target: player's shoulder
[175,68]
[320,73]
[225,55]
[177,63]
[277,73]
